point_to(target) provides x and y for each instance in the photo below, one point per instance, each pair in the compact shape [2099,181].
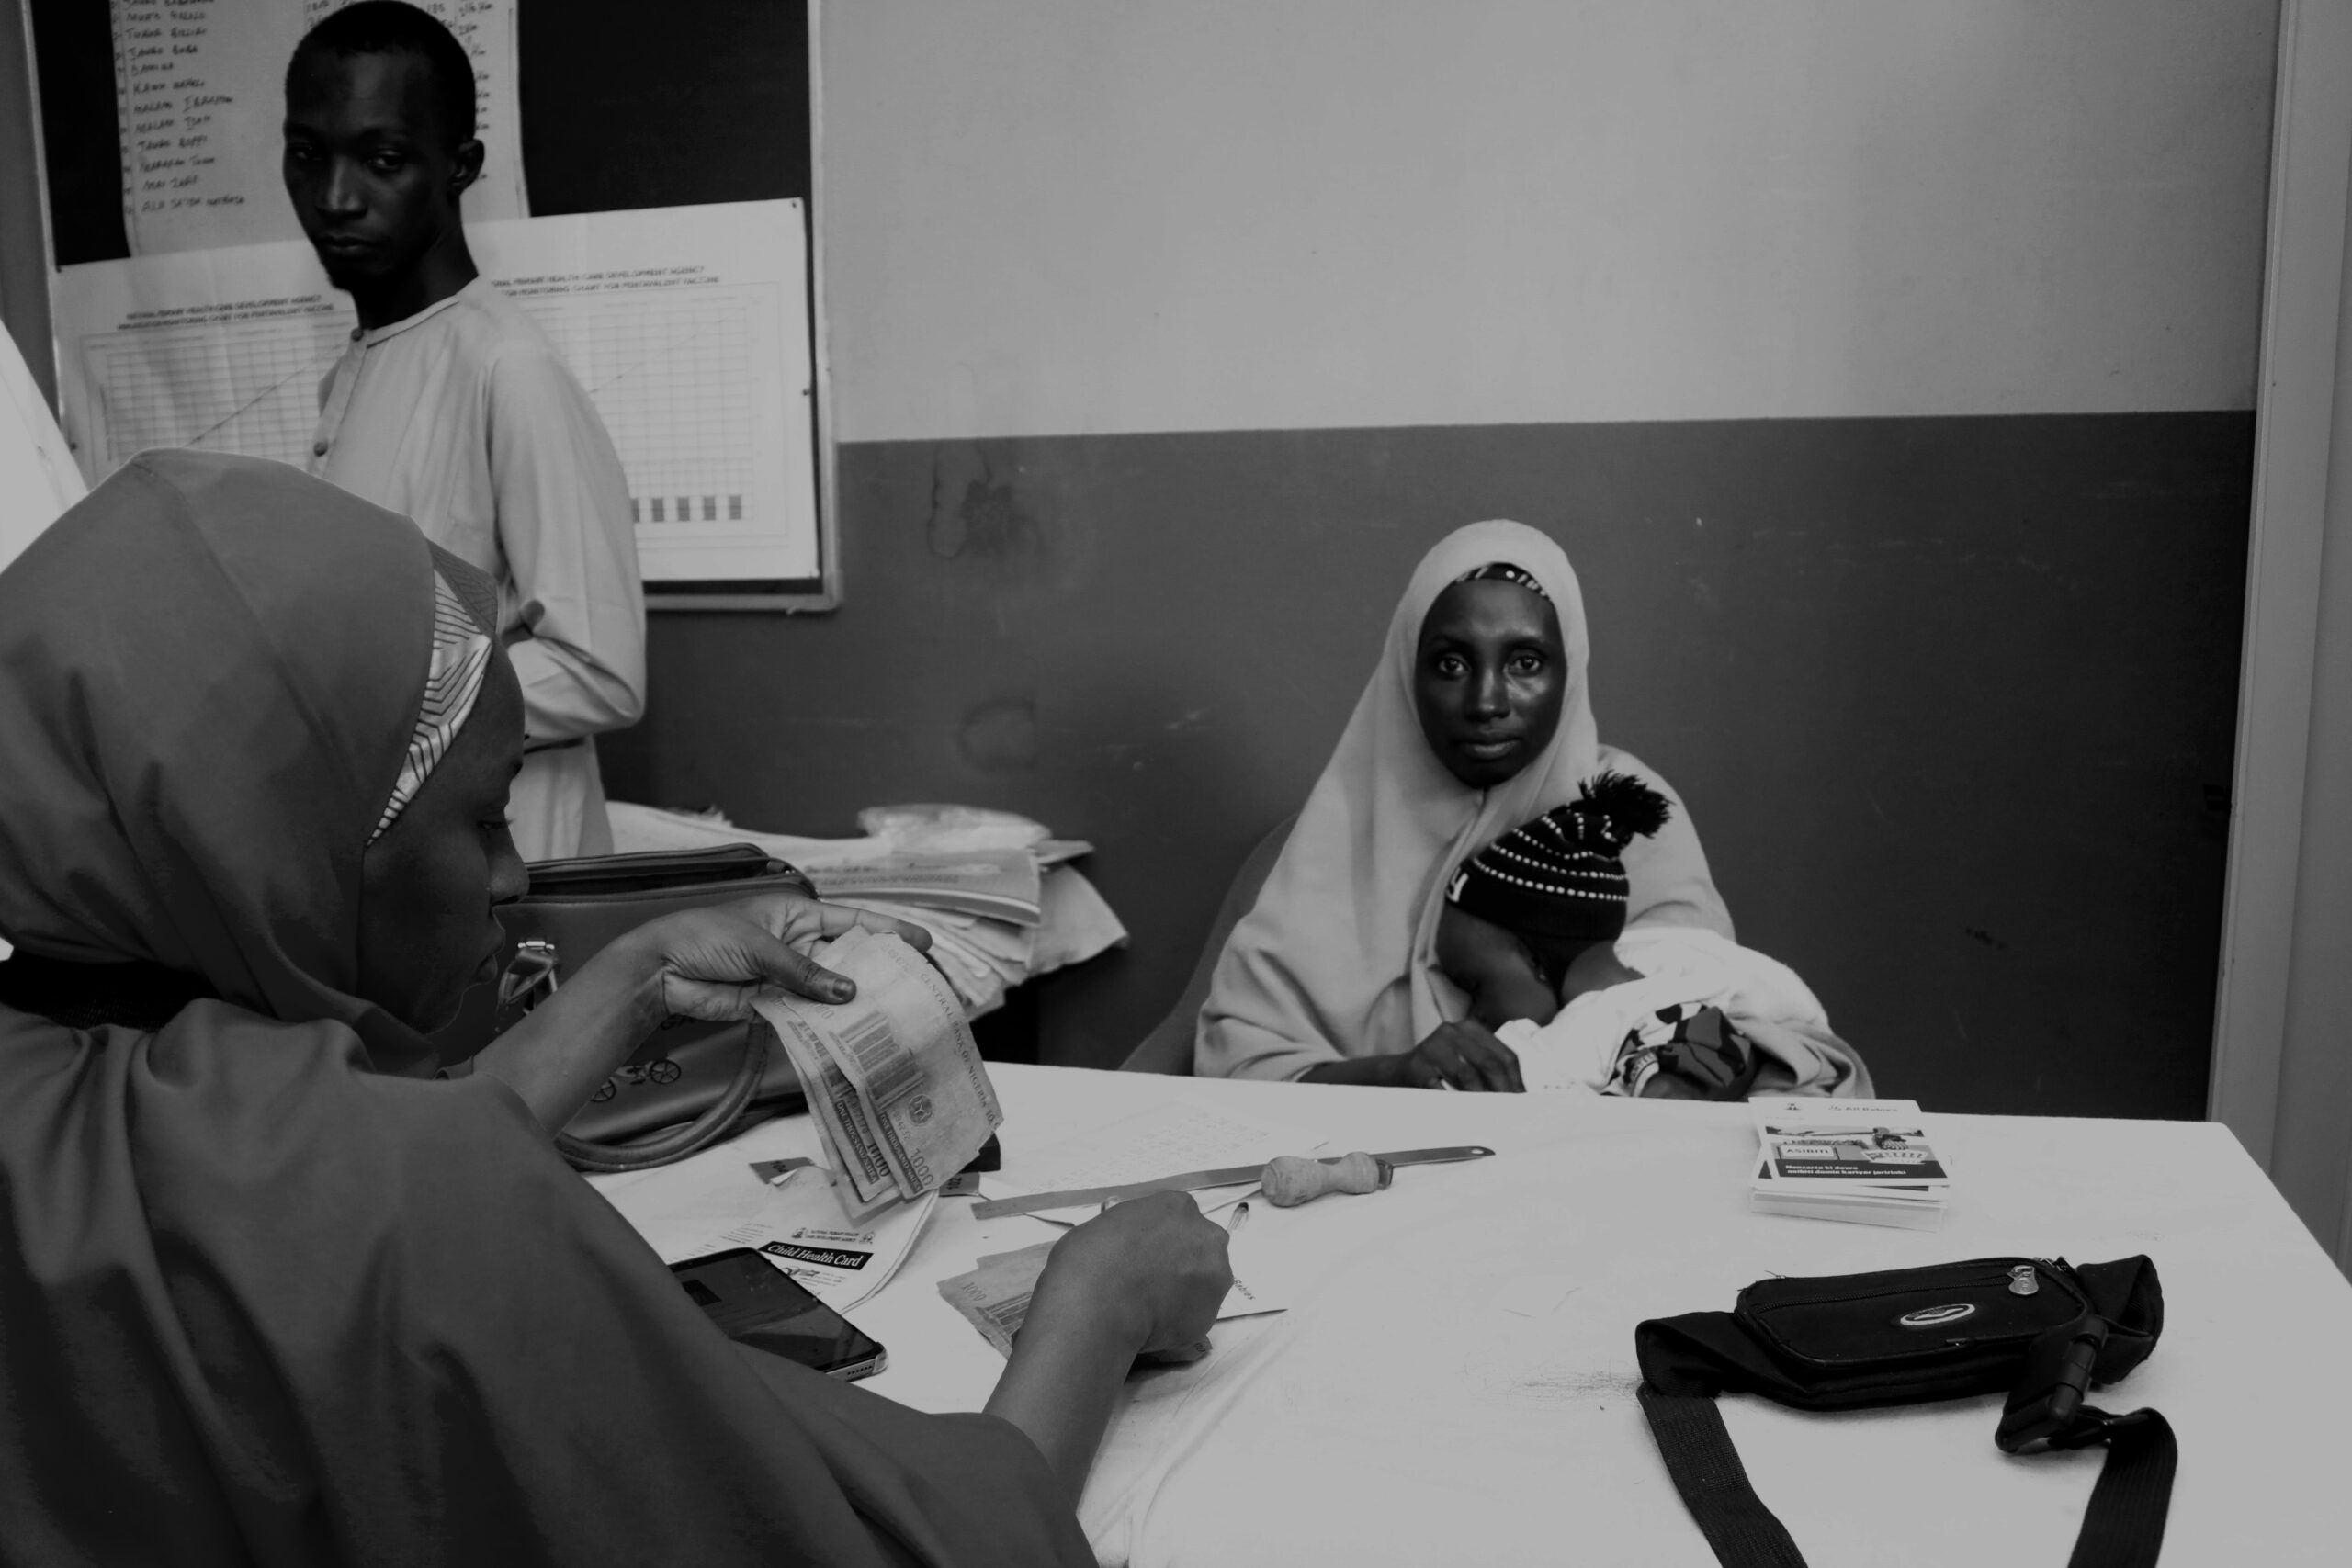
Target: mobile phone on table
[755,1302]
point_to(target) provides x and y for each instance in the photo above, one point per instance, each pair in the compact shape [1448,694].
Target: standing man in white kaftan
[451,406]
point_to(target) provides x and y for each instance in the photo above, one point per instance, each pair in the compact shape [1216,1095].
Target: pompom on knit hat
[1560,876]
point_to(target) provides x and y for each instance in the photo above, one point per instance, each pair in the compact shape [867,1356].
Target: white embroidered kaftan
[463,418]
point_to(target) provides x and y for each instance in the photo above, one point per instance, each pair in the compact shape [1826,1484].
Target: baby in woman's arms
[1533,932]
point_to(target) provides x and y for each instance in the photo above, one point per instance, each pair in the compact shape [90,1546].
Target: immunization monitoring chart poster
[646,198]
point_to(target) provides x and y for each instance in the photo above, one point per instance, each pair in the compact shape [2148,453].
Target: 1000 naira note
[894,1077]
[842,1124]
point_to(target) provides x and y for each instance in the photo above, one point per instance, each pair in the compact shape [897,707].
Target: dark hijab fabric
[267,1293]
[208,675]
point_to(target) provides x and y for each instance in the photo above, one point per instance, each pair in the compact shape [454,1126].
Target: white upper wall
[1051,216]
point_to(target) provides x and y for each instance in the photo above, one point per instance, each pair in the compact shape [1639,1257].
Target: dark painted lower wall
[1950,699]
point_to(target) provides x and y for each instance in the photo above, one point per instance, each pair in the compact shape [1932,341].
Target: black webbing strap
[2124,1526]
[1713,1483]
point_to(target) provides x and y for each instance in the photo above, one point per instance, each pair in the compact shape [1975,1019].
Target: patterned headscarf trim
[453,680]
[1504,571]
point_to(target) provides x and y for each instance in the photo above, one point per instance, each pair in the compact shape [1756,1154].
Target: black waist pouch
[2042,1331]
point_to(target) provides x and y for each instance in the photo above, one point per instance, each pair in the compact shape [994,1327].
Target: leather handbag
[2040,1330]
[692,1083]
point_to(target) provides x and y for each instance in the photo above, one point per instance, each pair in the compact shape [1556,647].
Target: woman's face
[430,886]
[1487,680]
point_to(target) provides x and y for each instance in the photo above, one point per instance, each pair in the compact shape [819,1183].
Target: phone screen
[753,1301]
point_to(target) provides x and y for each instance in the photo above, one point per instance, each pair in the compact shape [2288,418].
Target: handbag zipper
[1981,1273]
[1984,1271]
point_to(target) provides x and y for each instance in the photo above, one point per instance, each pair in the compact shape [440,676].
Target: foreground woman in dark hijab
[269,1292]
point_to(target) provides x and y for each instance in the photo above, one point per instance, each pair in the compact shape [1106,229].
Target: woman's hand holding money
[707,963]
[710,962]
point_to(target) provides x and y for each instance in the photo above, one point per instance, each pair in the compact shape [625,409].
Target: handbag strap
[1706,1468]
[2123,1527]
[717,1122]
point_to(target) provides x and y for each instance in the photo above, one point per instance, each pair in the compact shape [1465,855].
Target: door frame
[2303,306]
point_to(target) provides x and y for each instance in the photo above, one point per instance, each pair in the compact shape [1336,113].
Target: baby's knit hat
[1559,875]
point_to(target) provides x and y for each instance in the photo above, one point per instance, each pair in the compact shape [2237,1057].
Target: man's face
[371,170]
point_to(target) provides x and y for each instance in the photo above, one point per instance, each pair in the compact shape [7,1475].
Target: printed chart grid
[250,388]
[671,376]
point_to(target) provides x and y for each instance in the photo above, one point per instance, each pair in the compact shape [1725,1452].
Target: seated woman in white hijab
[1477,719]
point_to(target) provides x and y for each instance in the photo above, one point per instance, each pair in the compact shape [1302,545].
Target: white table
[1455,1381]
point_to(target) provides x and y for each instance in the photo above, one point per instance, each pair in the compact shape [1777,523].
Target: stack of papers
[994,1296]
[894,1080]
[997,884]
[1867,1161]
[995,890]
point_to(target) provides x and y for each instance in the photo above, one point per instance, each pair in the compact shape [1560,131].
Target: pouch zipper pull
[2022,1282]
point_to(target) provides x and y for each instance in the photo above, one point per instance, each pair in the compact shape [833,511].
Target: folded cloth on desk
[1684,966]
[996,891]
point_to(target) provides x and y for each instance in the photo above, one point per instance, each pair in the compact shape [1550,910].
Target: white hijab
[1336,958]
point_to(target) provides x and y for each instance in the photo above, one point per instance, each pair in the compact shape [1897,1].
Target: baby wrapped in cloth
[1533,930]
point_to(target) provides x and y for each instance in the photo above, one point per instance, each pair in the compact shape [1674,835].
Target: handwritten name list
[200,97]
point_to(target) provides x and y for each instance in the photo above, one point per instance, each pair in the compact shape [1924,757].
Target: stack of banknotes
[898,1091]
[994,1297]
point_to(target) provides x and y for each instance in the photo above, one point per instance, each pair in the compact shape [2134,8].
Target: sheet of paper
[200,98]
[1078,921]
[842,1256]
[842,1259]
[688,326]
